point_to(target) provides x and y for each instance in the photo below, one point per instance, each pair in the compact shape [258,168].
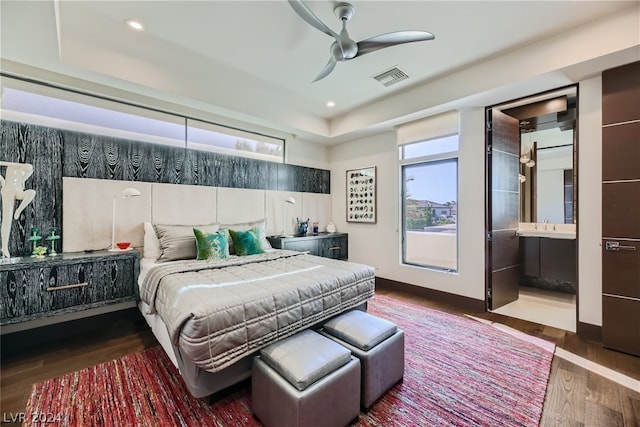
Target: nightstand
[40,291]
[328,245]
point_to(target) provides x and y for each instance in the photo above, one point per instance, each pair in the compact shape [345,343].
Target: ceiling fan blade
[326,70]
[392,39]
[306,14]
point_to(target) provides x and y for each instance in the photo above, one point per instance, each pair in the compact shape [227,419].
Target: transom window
[44,105]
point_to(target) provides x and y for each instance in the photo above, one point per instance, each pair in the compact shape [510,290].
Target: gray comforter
[217,312]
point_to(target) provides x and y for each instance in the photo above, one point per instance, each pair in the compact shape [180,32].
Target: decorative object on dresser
[51,238]
[328,245]
[39,291]
[331,228]
[34,239]
[303,227]
[12,189]
[124,194]
[361,195]
[39,251]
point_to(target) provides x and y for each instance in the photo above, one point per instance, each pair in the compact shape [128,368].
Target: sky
[437,180]
[433,181]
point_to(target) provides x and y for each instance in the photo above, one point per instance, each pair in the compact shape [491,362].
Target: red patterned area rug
[459,372]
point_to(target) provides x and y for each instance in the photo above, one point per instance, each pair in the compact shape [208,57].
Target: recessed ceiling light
[134,24]
[331,104]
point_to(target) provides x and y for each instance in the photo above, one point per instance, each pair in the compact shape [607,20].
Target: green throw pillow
[211,245]
[246,242]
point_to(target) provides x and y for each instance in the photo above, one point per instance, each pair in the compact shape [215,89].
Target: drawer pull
[335,248]
[59,288]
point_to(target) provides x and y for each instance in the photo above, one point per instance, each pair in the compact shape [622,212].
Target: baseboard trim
[458,301]
[589,331]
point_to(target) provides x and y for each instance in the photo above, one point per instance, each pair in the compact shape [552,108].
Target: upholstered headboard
[88,203]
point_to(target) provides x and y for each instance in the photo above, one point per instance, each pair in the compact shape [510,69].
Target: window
[47,106]
[209,137]
[429,177]
[44,105]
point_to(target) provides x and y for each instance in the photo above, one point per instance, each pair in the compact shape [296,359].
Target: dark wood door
[502,205]
[621,208]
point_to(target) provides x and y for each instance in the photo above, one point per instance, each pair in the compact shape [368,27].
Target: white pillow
[244,226]
[151,243]
[178,241]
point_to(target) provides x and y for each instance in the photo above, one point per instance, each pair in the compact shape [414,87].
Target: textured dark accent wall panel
[102,157]
[42,147]
[300,178]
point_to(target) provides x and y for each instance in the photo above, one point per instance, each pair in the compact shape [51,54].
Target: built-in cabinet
[548,258]
[49,287]
[328,245]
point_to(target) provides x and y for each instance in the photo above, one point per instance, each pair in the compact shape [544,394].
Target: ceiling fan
[344,48]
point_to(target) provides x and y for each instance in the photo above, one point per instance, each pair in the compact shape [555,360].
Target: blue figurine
[303,226]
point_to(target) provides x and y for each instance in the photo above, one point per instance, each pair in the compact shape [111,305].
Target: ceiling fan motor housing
[344,11]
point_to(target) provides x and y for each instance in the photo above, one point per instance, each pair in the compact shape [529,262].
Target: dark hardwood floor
[575,396]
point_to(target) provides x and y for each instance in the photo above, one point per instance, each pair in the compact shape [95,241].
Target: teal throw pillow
[211,245]
[246,242]
[225,232]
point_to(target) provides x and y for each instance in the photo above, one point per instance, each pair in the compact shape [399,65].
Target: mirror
[547,147]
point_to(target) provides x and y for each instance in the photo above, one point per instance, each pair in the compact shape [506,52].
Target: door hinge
[489,236]
[489,299]
[488,149]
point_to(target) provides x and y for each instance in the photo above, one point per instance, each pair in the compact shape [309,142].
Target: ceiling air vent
[391,76]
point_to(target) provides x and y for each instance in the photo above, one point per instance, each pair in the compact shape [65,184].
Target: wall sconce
[288,200]
[124,194]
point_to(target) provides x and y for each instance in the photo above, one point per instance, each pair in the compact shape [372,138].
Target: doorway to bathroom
[530,211]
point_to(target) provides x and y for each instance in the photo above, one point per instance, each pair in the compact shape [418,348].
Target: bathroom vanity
[548,256]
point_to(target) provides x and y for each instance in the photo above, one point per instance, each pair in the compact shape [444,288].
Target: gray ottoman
[305,380]
[379,345]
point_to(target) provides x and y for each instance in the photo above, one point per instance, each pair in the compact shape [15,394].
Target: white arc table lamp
[292,201]
[124,194]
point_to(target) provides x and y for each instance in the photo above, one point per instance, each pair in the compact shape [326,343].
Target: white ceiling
[254,61]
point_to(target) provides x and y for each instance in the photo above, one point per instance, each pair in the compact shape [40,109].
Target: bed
[212,316]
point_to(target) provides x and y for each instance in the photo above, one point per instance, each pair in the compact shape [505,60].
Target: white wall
[379,244]
[590,202]
[304,153]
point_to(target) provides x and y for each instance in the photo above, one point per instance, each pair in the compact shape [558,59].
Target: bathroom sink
[552,231]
